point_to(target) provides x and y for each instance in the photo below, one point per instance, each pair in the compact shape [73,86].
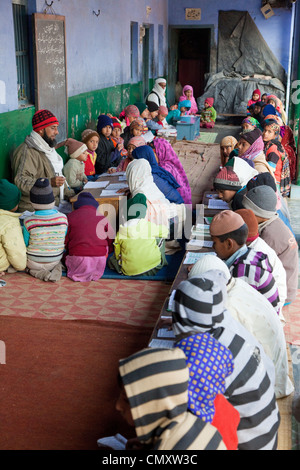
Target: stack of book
[200,237]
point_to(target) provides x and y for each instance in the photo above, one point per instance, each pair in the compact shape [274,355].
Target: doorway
[189,59]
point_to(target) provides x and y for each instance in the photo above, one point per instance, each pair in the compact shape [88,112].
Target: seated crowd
[217,387]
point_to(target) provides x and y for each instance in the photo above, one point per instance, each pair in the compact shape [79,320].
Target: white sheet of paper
[200,243]
[192,257]
[110,192]
[116,186]
[165,333]
[202,226]
[117,173]
[122,178]
[96,184]
[217,204]
[148,136]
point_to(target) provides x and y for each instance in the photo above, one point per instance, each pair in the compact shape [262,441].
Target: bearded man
[37,158]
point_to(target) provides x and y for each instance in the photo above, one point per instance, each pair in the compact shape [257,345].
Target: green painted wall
[83,111]
[14,126]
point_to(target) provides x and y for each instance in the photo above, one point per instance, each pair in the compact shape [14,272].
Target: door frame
[173,33]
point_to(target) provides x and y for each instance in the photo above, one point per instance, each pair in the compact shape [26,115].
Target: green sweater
[135,246]
[208,115]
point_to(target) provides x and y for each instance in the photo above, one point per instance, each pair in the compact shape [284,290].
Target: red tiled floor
[292,317]
[127,301]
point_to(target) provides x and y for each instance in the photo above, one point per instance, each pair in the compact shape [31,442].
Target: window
[22,50]
[134,51]
[161,48]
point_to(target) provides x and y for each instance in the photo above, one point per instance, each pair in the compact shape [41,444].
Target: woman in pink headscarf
[168,160]
[188,94]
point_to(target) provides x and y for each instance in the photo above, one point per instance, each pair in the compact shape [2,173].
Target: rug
[131,302]
[167,273]
[59,384]
[207,137]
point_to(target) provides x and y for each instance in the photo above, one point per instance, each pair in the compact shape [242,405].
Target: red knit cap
[257,92]
[43,118]
[227,179]
[116,122]
[224,222]
[209,100]
[251,221]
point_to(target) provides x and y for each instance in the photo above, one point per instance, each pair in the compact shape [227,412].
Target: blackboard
[51,68]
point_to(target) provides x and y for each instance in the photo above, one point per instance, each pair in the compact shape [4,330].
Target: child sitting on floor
[276,156]
[44,234]
[153,113]
[230,183]
[199,306]
[181,110]
[12,246]
[256,95]
[208,114]
[139,244]
[116,136]
[155,382]
[210,363]
[258,111]
[161,117]
[91,139]
[107,154]
[188,94]
[229,234]
[89,240]
[262,200]
[74,169]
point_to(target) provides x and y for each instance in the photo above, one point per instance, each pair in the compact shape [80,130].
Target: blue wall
[275,30]
[98,47]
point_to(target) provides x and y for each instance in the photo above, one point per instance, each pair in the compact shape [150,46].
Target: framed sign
[193,13]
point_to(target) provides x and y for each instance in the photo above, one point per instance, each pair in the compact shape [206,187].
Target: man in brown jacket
[37,158]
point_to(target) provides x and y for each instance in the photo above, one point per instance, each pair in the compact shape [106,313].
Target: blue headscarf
[147,153]
[209,363]
[185,104]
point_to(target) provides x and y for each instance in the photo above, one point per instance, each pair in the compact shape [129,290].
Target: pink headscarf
[255,149]
[183,97]
[209,100]
[137,141]
[168,160]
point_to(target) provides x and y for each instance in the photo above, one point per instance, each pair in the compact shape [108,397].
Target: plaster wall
[275,30]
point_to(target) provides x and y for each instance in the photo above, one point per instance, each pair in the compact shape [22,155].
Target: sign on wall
[193,13]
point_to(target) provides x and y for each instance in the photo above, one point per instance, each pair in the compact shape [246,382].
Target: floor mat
[131,302]
[207,138]
[167,273]
[59,384]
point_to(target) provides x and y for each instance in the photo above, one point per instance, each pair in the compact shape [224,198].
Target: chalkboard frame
[41,100]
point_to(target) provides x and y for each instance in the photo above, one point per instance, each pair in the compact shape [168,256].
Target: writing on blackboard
[50,42]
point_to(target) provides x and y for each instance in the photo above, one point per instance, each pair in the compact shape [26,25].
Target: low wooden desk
[108,205]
